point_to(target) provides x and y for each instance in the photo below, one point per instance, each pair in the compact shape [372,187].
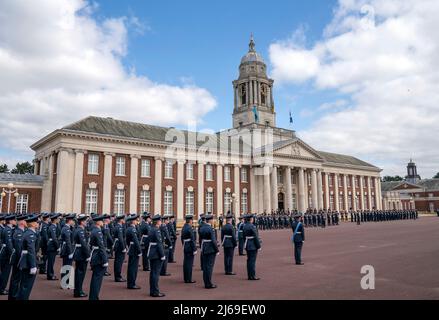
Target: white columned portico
[64,181]
[288,189]
[106,188]
[274,189]
[320,189]
[267,189]
[302,204]
[326,191]
[219,189]
[354,194]
[77,182]
[345,193]
[237,191]
[314,188]
[158,185]
[180,190]
[134,177]
[200,187]
[336,193]
[46,201]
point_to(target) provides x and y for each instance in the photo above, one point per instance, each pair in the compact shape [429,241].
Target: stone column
[106,189]
[64,181]
[288,189]
[46,198]
[267,189]
[158,176]
[320,189]
[369,193]
[326,191]
[336,192]
[314,188]
[180,190]
[260,182]
[251,92]
[361,193]
[379,201]
[345,193]
[201,186]
[77,182]
[36,167]
[254,191]
[134,177]
[274,189]
[354,194]
[301,198]
[237,191]
[219,190]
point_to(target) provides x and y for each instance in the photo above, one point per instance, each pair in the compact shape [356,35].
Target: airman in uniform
[6,251]
[188,241]
[119,247]
[172,228]
[252,244]
[66,251]
[134,250]
[156,256]
[209,250]
[81,253]
[17,240]
[52,245]
[144,229]
[167,245]
[98,257]
[228,241]
[298,238]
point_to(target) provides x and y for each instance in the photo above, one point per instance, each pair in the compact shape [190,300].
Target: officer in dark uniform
[28,260]
[298,238]
[228,241]
[134,250]
[17,241]
[201,222]
[209,250]
[44,226]
[6,251]
[252,244]
[156,256]
[66,252]
[144,228]
[52,245]
[167,245]
[98,257]
[188,241]
[108,238]
[241,236]
[119,247]
[81,253]
[173,236]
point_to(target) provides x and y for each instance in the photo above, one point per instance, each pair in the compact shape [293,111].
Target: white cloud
[382,54]
[59,64]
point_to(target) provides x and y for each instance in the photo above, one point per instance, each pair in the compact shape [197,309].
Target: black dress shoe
[230,274]
[52,278]
[172,261]
[211,287]
[146,269]
[4,293]
[165,274]
[190,281]
[42,272]
[158,295]
[134,288]
[300,264]
[81,295]
[120,280]
[107,274]
[254,278]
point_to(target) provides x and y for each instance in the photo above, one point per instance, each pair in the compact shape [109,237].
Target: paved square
[405,255]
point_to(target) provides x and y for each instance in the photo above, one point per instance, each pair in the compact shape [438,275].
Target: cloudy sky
[360,76]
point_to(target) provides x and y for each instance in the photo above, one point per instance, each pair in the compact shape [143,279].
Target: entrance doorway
[280,199]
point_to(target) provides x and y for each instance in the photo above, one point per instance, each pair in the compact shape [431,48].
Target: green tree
[23,167]
[4,168]
[390,178]
[436,176]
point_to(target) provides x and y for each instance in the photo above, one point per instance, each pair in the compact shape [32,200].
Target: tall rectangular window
[120,166]
[119,202]
[341,202]
[227,173]
[348,180]
[145,201]
[340,181]
[310,201]
[93,163]
[373,202]
[357,202]
[209,202]
[209,172]
[244,175]
[280,177]
[227,202]
[190,171]
[21,206]
[308,176]
[91,201]
[331,202]
[244,203]
[294,202]
[330,180]
[350,203]
[168,169]
[356,182]
[168,203]
[145,171]
[190,205]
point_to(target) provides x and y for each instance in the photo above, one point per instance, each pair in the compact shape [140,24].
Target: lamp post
[9,191]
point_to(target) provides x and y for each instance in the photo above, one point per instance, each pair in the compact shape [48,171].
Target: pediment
[296,148]
[406,186]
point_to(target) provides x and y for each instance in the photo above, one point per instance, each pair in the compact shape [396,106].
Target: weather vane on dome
[252,44]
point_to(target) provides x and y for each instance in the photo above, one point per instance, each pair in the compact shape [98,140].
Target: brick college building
[105,165]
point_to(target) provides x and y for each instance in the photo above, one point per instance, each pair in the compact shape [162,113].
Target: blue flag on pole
[291,118]
[255,112]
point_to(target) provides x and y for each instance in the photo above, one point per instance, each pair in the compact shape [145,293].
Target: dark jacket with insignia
[66,241]
[81,248]
[28,256]
[52,238]
[166,237]
[17,240]
[133,241]
[228,236]
[144,228]
[98,251]
[208,240]
[155,247]
[108,239]
[7,243]
[300,235]
[119,238]
[188,239]
[251,237]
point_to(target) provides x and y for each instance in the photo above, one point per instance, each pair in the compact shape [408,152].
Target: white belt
[145,236]
[204,241]
[222,243]
[92,250]
[298,232]
[24,252]
[246,239]
[149,247]
[2,248]
[187,240]
[78,245]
